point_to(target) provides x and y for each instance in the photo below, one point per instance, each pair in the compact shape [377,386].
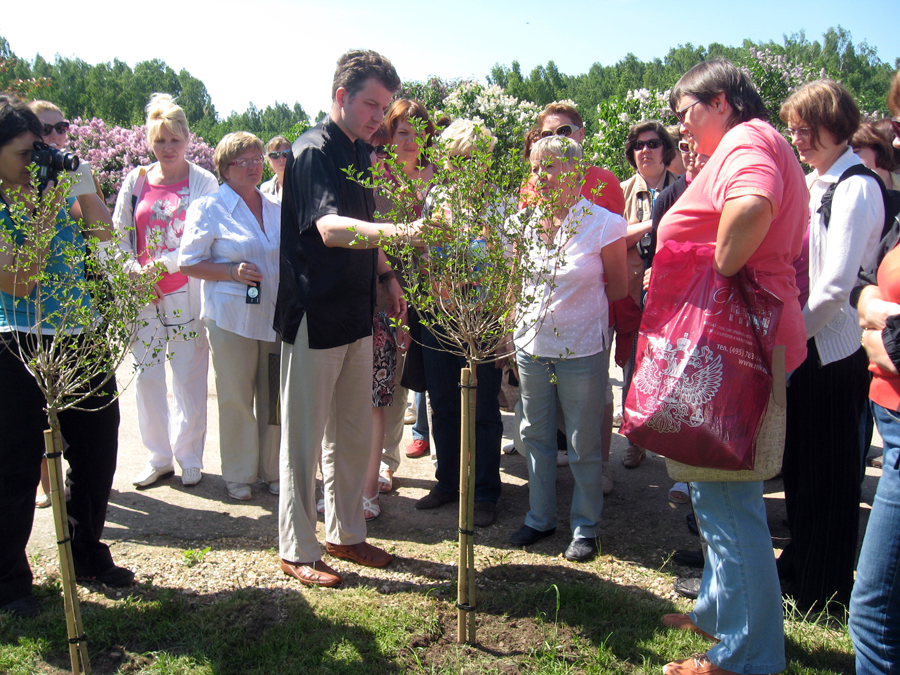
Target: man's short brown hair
[560,109]
[357,66]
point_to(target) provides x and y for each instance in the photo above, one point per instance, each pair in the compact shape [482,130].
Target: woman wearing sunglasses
[277,151]
[231,242]
[149,217]
[649,150]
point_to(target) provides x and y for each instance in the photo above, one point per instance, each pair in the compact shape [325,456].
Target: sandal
[680,494]
[43,501]
[385,480]
[371,508]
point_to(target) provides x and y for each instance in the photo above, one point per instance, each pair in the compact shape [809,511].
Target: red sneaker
[418,448]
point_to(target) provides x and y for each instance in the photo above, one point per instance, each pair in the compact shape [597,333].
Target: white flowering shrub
[616,116]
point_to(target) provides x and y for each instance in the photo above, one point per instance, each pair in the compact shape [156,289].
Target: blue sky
[284,50]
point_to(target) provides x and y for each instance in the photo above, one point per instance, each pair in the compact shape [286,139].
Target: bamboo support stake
[466,504]
[78,653]
[470,431]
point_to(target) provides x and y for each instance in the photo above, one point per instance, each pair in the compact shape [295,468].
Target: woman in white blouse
[231,242]
[578,257]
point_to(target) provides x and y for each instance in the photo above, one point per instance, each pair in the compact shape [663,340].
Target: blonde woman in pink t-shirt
[149,217]
[750,203]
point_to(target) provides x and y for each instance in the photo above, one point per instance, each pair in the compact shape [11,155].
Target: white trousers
[183,433]
[319,388]
[394,416]
[248,443]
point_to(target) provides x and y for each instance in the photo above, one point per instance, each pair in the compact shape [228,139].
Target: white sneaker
[509,448]
[274,487]
[239,491]
[151,474]
[562,458]
[607,479]
[190,476]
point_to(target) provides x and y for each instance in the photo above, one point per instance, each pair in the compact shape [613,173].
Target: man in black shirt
[330,263]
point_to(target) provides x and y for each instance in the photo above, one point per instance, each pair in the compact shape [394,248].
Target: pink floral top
[159,219]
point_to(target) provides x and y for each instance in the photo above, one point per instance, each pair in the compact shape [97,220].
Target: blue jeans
[581,390]
[442,372]
[740,597]
[875,603]
[420,429]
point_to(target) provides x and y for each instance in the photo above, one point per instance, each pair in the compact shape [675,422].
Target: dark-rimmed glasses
[59,127]
[562,130]
[653,144]
[679,114]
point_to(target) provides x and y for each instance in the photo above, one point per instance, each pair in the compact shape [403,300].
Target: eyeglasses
[245,163]
[679,114]
[279,154]
[59,127]
[562,130]
[653,144]
[802,132]
[684,146]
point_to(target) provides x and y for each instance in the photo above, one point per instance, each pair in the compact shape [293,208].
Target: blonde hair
[275,142]
[231,146]
[893,98]
[560,147]
[461,138]
[162,111]
[38,107]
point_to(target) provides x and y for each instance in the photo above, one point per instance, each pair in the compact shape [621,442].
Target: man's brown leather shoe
[362,553]
[311,574]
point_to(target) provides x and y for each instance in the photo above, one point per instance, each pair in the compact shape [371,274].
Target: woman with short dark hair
[828,392]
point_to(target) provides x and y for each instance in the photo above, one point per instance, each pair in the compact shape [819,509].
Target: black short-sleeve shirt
[334,287]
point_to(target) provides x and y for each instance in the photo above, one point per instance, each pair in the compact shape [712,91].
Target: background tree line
[116,93]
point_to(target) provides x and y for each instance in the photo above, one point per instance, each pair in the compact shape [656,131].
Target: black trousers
[92,438]
[821,478]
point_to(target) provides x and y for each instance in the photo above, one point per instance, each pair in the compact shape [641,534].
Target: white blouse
[568,314]
[222,229]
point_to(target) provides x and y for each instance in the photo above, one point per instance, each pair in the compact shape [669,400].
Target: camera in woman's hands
[51,161]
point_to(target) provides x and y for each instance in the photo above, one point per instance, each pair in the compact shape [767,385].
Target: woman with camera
[91,434]
[149,216]
[231,241]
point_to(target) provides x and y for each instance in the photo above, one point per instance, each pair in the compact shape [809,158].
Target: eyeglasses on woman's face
[59,127]
[246,163]
[279,154]
[562,130]
[679,114]
[653,144]
[800,133]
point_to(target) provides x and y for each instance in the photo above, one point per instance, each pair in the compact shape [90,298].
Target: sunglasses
[684,146]
[279,154]
[653,144]
[59,127]
[562,130]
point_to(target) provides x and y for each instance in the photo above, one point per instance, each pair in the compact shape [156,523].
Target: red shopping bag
[704,361]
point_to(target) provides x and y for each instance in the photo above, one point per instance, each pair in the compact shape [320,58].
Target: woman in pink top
[750,203]
[149,217]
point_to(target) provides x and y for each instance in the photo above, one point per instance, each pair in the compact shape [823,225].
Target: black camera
[51,161]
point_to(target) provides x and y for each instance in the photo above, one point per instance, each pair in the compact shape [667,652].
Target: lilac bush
[776,78]
[114,151]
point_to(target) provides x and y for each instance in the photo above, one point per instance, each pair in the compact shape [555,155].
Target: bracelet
[387,276]
[230,269]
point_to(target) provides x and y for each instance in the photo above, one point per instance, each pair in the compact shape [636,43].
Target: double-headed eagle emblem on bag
[676,387]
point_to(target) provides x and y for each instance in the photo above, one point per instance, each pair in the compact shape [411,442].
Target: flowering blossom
[113,151]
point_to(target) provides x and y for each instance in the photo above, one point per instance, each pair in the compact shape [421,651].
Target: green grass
[581,625]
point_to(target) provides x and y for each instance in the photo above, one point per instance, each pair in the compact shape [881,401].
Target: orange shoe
[696,665]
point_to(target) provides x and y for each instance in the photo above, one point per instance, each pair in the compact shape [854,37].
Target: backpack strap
[855,170]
